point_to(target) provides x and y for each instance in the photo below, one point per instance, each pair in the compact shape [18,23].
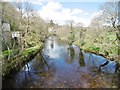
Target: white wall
[6,27]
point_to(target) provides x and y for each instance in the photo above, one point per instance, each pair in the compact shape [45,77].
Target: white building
[16,34]
[6,26]
[51,30]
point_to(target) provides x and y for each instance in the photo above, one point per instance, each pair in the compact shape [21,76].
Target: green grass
[6,53]
[25,52]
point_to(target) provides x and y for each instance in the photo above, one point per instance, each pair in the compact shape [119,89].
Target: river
[63,67]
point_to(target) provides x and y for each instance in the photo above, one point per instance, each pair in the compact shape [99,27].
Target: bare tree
[20,7]
[71,37]
[110,13]
[29,14]
[110,16]
[26,13]
[97,22]
[80,24]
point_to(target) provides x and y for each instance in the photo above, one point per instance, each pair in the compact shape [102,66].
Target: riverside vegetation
[33,31]
[98,38]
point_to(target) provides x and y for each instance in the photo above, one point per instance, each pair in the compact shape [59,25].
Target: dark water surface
[67,67]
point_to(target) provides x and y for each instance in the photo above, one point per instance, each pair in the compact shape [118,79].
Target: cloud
[96,14]
[55,11]
[76,11]
[52,6]
[85,13]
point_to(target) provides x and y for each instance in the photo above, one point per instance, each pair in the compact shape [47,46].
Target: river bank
[96,51]
[93,40]
[68,67]
[19,60]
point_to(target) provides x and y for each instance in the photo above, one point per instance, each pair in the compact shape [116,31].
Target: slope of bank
[20,60]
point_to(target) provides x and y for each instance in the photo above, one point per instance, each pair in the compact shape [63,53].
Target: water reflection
[38,64]
[52,42]
[81,59]
[72,54]
[62,66]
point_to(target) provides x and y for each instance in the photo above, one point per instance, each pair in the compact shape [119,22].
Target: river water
[63,66]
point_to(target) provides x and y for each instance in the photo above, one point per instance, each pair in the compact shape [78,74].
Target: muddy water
[67,67]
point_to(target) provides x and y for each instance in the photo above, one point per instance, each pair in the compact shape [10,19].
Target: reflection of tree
[39,64]
[41,67]
[72,54]
[118,79]
[81,59]
[52,43]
